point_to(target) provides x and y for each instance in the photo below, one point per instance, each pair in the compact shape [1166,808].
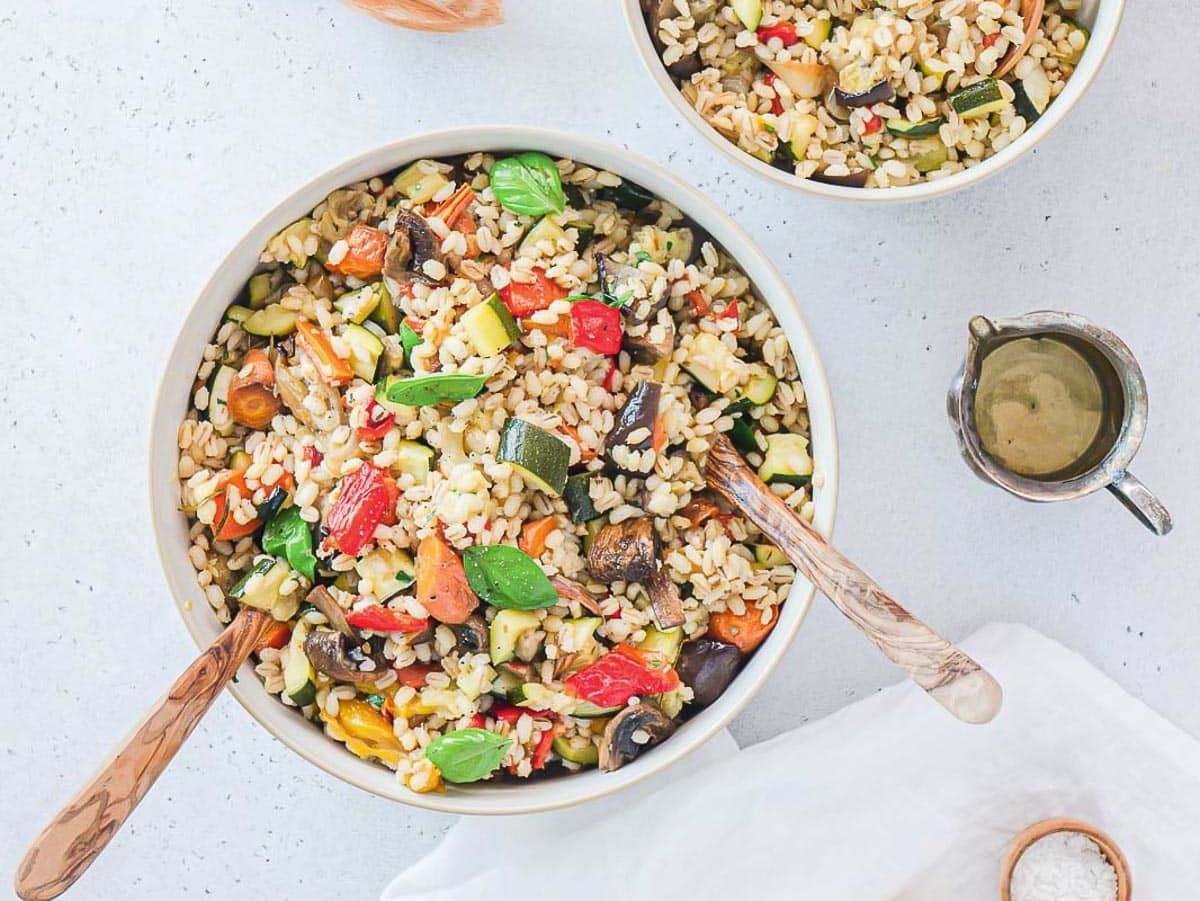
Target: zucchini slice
[712,364]
[786,460]
[384,572]
[980,99]
[1033,94]
[593,526]
[417,185]
[218,399]
[749,12]
[506,629]
[666,642]
[365,350]
[490,326]
[538,455]
[586,232]
[263,594]
[585,755]
[922,129]
[743,436]
[545,229]
[820,32]
[299,677]
[258,289]
[386,314]
[579,498]
[357,305]
[414,458]
[237,313]
[761,387]
[271,322]
[769,555]
[929,154]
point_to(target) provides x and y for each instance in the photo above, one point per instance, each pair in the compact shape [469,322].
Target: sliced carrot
[745,632]
[251,398]
[365,250]
[700,510]
[317,346]
[586,454]
[442,586]
[534,535]
[699,304]
[455,205]
[559,328]
[276,636]
[224,526]
[658,438]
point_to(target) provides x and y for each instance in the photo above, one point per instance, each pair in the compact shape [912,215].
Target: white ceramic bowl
[171,528]
[1101,17]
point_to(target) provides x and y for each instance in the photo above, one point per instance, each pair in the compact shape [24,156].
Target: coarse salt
[1064,865]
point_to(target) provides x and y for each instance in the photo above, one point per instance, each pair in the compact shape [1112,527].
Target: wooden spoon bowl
[1042,828]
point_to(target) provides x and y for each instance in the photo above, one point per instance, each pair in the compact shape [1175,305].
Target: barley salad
[865,93]
[449,436]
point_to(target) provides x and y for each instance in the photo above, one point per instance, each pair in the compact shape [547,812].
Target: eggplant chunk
[853,180]
[625,551]
[640,411]
[707,666]
[656,343]
[859,85]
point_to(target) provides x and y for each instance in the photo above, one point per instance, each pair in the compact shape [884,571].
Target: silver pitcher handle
[1141,502]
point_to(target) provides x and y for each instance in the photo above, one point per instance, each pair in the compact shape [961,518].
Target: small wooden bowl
[1042,828]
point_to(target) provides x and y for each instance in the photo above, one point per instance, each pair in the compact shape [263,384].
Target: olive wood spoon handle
[1031,12]
[948,675]
[86,824]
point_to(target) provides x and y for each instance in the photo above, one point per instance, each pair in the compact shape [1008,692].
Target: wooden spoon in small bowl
[1031,12]
[948,675]
[81,829]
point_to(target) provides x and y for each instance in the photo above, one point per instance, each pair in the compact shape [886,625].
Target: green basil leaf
[423,390]
[408,340]
[287,535]
[528,184]
[467,755]
[505,576]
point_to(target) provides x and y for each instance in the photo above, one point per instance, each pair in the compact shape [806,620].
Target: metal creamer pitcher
[1105,464]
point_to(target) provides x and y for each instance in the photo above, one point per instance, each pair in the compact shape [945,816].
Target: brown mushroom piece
[342,658]
[629,551]
[412,245]
[471,635]
[656,11]
[570,590]
[329,608]
[631,731]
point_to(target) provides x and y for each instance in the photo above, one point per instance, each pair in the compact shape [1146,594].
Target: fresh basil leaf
[408,340]
[528,184]
[505,576]
[287,535]
[423,390]
[467,755]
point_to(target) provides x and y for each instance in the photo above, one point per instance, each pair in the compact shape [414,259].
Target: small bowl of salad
[443,413]
[872,101]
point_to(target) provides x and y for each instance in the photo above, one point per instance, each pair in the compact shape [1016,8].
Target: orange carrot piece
[251,398]
[746,632]
[455,205]
[365,249]
[442,586]
[586,454]
[534,535]
[658,438]
[316,345]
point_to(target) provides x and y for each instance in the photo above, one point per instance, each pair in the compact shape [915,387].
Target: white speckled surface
[141,139]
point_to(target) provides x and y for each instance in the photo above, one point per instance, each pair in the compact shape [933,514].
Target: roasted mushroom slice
[625,551]
[345,659]
[320,598]
[707,666]
[471,635]
[665,598]
[656,11]
[630,732]
[570,590]
[413,244]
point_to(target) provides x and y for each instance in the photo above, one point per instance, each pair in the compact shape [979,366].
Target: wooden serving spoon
[1031,12]
[948,675]
[82,828]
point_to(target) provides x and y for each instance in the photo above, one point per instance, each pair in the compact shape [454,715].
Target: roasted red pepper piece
[224,526]
[524,298]
[366,498]
[776,104]
[871,123]
[312,455]
[622,673]
[413,675]
[378,618]
[785,31]
[379,420]
[365,249]
[476,722]
[610,377]
[730,312]
[596,326]
[542,750]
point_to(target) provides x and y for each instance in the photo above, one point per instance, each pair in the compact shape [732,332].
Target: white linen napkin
[888,799]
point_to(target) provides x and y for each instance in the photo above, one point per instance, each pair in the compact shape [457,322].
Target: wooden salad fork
[948,675]
[1031,12]
[81,829]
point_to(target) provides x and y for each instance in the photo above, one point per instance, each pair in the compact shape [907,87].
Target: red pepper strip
[785,31]
[276,636]
[225,527]
[776,102]
[622,673]
[542,750]
[730,312]
[365,249]
[524,298]
[596,326]
[610,377]
[506,713]
[378,618]
[699,304]
[990,39]
[366,498]
[413,675]
[312,455]
[476,722]
[379,421]
[871,123]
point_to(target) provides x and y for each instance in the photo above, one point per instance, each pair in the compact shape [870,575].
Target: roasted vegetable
[442,586]
[626,551]
[638,413]
[707,667]
[745,631]
[251,397]
[859,85]
[413,244]
[344,659]
[630,732]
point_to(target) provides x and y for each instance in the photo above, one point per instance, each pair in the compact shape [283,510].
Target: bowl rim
[1103,32]
[170,528]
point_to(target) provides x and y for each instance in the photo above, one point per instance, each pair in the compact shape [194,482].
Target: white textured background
[140,139]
